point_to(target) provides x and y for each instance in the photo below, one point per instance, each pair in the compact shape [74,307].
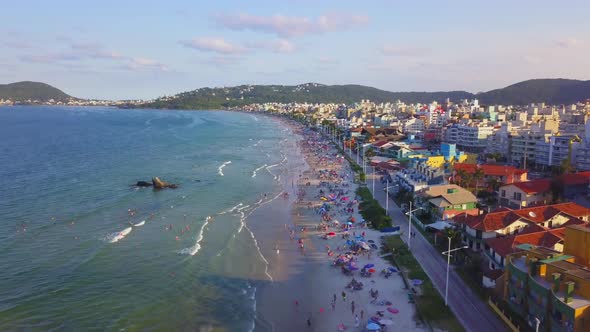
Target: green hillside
[22,91]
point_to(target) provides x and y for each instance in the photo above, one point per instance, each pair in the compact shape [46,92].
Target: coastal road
[473,313]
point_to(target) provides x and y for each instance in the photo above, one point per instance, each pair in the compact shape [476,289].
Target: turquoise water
[65,176]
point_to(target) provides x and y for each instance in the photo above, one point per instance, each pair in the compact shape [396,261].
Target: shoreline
[311,278]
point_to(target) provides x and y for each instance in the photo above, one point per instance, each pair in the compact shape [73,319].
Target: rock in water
[143,184]
[159,184]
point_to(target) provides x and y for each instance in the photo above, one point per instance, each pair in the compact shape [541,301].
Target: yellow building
[553,289]
[578,243]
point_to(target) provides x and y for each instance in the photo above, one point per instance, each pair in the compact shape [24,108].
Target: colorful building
[450,200]
[548,288]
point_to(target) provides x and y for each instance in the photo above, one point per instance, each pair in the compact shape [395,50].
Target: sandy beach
[301,296]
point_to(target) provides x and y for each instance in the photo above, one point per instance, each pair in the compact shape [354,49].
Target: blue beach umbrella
[392,269]
[373,327]
[368,266]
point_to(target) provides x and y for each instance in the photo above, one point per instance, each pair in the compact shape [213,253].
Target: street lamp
[409,213]
[373,180]
[448,254]
[538,322]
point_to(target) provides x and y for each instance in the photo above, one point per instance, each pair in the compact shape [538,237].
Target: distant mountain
[550,91]
[22,91]
[213,98]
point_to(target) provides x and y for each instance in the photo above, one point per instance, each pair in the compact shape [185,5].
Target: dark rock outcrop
[159,184]
[143,184]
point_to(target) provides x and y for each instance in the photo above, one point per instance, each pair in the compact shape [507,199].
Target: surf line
[197,246]
[220,168]
[256,170]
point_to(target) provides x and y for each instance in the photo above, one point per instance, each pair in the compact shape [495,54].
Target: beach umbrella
[364,245]
[349,223]
[373,327]
[371,270]
[392,269]
[331,234]
[392,310]
[417,282]
[368,266]
[371,241]
[385,322]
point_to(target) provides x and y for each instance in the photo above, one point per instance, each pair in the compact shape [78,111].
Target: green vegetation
[22,91]
[429,303]
[219,98]
[552,91]
[371,210]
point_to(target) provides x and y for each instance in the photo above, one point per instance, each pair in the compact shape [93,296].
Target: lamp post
[373,181]
[387,196]
[448,253]
[409,213]
[538,322]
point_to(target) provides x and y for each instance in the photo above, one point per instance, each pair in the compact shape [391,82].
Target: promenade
[471,311]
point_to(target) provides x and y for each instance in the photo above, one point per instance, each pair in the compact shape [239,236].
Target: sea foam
[220,168]
[193,250]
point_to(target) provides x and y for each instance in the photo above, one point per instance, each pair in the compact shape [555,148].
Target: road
[473,313]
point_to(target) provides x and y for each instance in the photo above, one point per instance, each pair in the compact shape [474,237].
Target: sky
[146,49]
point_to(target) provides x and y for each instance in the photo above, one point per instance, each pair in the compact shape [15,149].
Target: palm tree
[370,153]
[478,175]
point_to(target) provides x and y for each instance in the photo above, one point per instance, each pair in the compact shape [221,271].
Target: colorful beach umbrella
[368,266]
[373,327]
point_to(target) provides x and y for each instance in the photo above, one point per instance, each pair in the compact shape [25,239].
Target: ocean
[83,249]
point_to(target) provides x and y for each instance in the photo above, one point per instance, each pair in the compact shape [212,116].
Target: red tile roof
[534,186]
[506,245]
[494,221]
[490,169]
[573,179]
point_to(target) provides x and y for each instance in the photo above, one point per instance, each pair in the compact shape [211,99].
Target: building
[500,174]
[554,151]
[504,222]
[548,288]
[542,191]
[469,137]
[447,201]
[525,194]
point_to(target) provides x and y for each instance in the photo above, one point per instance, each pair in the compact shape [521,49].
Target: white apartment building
[469,137]
[556,149]
[413,126]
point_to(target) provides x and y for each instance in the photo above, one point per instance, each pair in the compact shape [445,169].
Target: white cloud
[146,64]
[212,44]
[86,51]
[290,26]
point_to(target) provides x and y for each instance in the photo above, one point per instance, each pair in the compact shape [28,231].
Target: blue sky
[145,49]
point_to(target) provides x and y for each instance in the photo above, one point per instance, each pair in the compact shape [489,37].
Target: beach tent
[440,225]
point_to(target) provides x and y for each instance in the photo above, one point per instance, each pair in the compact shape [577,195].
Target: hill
[213,98]
[550,91]
[22,91]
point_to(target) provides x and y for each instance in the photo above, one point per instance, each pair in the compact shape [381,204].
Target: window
[464,206]
[503,193]
[517,196]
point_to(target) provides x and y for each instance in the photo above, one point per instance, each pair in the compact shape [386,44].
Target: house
[500,174]
[524,194]
[541,191]
[450,200]
[504,221]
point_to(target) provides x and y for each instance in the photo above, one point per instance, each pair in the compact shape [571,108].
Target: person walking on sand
[352,307]
[309,322]
[343,296]
[357,323]
[334,298]
[362,314]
